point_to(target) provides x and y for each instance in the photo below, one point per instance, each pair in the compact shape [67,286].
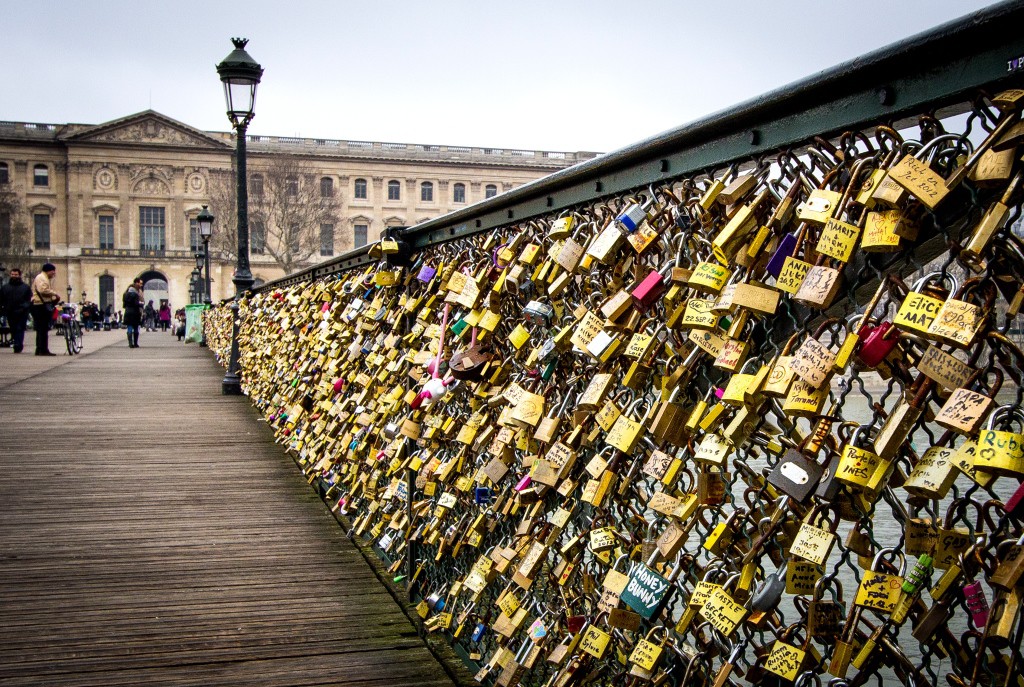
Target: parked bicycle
[72,329]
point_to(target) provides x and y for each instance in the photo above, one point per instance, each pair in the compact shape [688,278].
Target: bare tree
[15,240]
[287,208]
[292,208]
[224,204]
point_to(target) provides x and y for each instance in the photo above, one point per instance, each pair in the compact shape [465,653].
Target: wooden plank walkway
[151,533]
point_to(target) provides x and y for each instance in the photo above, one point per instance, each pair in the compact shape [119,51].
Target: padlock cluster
[727,429]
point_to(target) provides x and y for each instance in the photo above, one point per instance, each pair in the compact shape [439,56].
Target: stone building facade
[107,203]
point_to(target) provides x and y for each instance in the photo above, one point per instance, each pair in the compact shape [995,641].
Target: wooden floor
[152,534]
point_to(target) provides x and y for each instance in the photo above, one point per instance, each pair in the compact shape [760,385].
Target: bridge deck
[152,533]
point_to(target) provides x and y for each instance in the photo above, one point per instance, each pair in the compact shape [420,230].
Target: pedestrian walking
[150,314]
[15,303]
[44,303]
[132,304]
[165,316]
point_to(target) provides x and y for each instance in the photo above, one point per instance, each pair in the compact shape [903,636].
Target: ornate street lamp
[69,294]
[240,75]
[205,221]
[193,286]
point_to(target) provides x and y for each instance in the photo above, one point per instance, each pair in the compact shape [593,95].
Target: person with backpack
[132,304]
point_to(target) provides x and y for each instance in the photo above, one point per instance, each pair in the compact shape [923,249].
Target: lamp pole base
[231,385]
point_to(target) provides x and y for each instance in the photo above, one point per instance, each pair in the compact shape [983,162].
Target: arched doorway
[154,288]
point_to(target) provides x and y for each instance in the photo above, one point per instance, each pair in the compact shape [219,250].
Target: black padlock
[397,253]
[796,475]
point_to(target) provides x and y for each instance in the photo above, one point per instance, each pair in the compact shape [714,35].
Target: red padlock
[877,341]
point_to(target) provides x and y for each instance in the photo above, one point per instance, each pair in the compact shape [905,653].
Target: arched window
[5,176]
[427,192]
[394,190]
[459,193]
[326,187]
[360,190]
[490,191]
[40,175]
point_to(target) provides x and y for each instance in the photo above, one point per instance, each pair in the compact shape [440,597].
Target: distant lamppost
[240,75]
[69,294]
[83,296]
[193,284]
[205,221]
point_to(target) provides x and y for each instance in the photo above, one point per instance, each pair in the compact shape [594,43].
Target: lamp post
[193,284]
[205,222]
[240,75]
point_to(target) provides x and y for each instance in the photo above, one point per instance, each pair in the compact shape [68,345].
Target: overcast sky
[553,75]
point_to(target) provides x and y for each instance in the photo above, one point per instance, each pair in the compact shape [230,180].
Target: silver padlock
[538,313]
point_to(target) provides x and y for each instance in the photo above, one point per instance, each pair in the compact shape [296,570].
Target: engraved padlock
[1001,452]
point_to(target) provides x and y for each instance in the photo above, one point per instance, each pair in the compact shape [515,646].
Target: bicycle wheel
[69,340]
[76,337]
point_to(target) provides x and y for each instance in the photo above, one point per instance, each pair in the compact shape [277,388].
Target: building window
[359,235]
[40,175]
[427,192]
[6,238]
[106,232]
[256,185]
[490,191]
[194,240]
[326,239]
[5,176]
[394,190]
[291,186]
[42,224]
[152,229]
[360,189]
[327,187]
[459,193]
[257,238]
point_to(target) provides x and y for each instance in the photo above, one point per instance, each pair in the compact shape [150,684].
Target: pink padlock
[524,483]
[1015,504]
[649,290]
[875,344]
[977,604]
[339,384]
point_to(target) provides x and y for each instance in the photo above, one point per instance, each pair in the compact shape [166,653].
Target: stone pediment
[148,128]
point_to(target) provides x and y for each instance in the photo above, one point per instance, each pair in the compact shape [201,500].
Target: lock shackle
[932,146]
[886,556]
[829,323]
[1007,413]
[923,282]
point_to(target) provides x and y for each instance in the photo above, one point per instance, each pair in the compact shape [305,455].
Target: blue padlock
[482,496]
[478,632]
